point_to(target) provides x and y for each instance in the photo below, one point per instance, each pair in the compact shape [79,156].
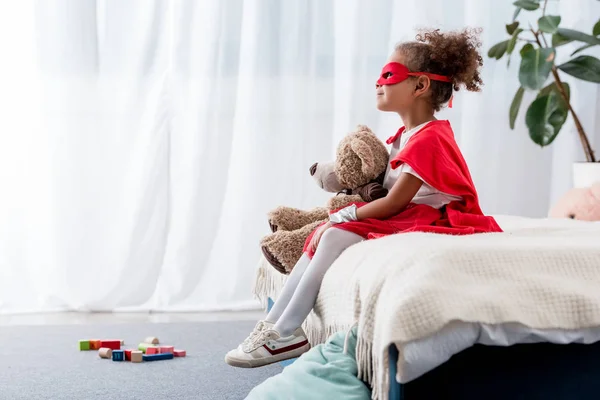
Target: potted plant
[546,115]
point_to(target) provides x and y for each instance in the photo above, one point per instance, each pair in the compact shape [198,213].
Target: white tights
[302,286]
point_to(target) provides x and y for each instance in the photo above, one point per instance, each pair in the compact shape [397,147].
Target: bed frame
[523,371]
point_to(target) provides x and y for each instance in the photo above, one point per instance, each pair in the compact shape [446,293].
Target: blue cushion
[325,372]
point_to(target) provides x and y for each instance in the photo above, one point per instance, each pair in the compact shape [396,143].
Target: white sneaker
[268,347]
[261,325]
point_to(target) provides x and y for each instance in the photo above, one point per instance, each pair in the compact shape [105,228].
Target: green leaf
[535,67]
[527,5]
[517,12]
[527,47]
[498,50]
[582,48]
[544,118]
[513,41]
[554,88]
[596,30]
[549,23]
[576,35]
[510,28]
[514,106]
[586,68]
[559,40]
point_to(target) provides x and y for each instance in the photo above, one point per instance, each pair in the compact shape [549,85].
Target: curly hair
[454,54]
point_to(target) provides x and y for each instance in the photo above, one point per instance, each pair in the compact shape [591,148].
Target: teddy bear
[579,203]
[356,175]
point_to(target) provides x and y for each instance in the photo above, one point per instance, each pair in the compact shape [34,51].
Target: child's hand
[314,242]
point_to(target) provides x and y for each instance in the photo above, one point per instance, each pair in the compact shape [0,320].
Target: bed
[406,367]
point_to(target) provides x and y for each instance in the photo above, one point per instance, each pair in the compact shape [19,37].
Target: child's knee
[331,236]
[335,238]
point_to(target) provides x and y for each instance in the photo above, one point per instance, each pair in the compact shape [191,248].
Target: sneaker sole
[261,362]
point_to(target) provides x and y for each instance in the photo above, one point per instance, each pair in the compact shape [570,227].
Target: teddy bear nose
[313,169]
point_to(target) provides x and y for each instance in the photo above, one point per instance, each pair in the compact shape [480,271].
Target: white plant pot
[585,174]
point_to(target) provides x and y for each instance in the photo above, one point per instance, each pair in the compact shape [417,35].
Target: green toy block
[84,345]
[143,346]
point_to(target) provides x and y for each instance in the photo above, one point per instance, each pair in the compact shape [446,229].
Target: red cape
[434,155]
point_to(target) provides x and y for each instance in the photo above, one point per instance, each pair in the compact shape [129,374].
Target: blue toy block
[118,355]
[156,357]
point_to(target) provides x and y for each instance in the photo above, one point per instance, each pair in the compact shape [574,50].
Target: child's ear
[423,85]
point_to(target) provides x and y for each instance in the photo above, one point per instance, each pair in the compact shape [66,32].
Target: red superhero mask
[394,72]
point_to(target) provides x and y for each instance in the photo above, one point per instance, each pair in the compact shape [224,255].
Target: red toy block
[111,344]
[166,349]
[128,354]
[95,344]
[153,350]
[179,353]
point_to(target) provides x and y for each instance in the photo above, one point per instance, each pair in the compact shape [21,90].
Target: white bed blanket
[541,274]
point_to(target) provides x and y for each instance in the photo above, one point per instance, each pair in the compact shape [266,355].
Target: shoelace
[260,326]
[258,335]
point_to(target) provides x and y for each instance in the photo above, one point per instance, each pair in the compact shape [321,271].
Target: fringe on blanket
[317,335]
[373,369]
[267,283]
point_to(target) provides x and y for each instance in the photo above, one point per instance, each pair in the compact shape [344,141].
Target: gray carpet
[43,362]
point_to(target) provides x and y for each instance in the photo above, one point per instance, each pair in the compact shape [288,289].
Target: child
[430,187]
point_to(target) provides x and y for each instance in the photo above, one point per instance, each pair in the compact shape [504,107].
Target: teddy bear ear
[363,128]
[364,152]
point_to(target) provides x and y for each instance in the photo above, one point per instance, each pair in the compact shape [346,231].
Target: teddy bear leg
[290,219]
[283,249]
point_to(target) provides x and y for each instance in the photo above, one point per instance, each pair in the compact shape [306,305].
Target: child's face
[400,96]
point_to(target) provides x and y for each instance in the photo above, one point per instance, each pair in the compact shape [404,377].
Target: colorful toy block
[144,346]
[111,344]
[95,344]
[147,351]
[156,357]
[122,342]
[136,356]
[84,345]
[118,355]
[179,353]
[153,350]
[151,340]
[105,352]
[166,349]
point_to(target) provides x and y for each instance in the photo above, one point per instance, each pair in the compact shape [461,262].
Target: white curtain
[143,142]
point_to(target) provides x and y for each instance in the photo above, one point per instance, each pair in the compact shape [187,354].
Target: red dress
[434,155]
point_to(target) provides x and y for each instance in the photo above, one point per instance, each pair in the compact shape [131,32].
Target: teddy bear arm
[372,191]
[342,200]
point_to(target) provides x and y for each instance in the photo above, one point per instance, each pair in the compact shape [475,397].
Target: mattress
[424,355]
